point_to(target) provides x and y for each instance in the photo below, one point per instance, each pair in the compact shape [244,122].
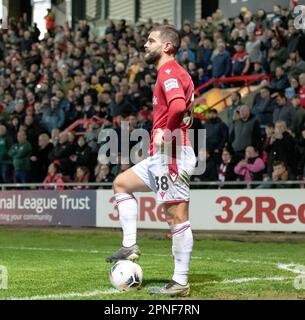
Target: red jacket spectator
[54,176]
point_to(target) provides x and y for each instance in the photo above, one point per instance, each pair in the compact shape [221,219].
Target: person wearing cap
[240,60]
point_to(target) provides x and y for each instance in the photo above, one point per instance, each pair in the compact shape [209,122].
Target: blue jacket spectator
[53,117]
[263,106]
[221,62]
[204,54]
[280,82]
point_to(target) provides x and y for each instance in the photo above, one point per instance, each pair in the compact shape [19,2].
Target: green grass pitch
[70,264]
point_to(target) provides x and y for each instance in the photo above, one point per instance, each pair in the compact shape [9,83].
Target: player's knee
[119,185]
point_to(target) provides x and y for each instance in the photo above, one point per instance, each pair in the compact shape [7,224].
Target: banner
[150,214]
[241,210]
[48,207]
[230,210]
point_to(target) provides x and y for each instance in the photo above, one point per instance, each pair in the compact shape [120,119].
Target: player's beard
[152,57]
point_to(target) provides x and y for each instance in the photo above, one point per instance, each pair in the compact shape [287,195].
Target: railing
[248,80]
[85,123]
[94,185]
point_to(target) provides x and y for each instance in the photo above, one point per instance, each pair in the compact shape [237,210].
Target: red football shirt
[173,82]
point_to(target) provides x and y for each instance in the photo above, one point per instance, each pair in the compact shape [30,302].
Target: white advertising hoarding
[243,210]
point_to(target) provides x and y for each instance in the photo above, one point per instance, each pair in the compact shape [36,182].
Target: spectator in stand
[5,161]
[216,133]
[88,109]
[52,116]
[253,48]
[221,63]
[246,132]
[103,174]
[281,147]
[204,54]
[302,89]
[250,168]
[293,38]
[21,158]
[226,167]
[278,55]
[240,60]
[39,159]
[62,153]
[83,155]
[185,54]
[263,106]
[50,21]
[54,176]
[300,113]
[295,65]
[82,176]
[120,106]
[284,112]
[280,172]
[280,81]
[232,108]
[210,173]
[269,132]
[301,149]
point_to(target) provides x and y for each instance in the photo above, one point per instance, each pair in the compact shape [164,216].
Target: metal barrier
[108,185]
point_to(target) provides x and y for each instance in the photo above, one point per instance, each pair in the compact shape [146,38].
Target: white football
[126,275]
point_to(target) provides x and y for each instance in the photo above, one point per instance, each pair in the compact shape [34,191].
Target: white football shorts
[158,173]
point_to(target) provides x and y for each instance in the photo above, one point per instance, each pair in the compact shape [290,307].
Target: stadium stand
[61,91]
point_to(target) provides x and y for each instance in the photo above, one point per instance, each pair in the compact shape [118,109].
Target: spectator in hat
[240,60]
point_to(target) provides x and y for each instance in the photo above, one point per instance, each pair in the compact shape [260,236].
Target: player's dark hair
[171,34]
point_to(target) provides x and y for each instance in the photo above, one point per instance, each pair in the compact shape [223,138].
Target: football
[126,275]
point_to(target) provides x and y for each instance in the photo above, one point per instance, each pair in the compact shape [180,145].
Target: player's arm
[175,114]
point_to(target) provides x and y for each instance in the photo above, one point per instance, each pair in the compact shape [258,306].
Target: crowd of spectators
[46,85]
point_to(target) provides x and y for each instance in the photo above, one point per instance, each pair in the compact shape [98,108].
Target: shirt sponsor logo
[171,84]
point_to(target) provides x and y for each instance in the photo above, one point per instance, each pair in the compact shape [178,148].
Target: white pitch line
[50,249]
[282,266]
[295,268]
[66,295]
[144,254]
[245,280]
